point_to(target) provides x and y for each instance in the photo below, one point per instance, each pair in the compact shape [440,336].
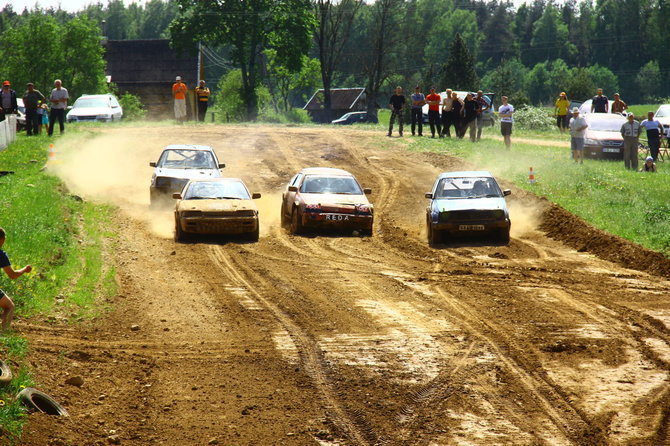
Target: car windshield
[605,125]
[330,185]
[216,190]
[186,159]
[91,103]
[663,112]
[467,187]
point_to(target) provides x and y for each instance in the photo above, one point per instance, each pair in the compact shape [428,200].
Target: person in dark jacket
[32,100]
[457,113]
[8,103]
[397,105]
[470,110]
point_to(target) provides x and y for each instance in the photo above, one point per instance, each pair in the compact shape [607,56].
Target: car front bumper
[335,220]
[472,226]
[218,225]
[604,152]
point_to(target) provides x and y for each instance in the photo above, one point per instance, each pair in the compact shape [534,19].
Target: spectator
[470,107]
[42,116]
[578,127]
[457,113]
[654,134]
[31,101]
[397,105]
[7,100]
[562,105]
[202,93]
[418,101]
[179,90]
[631,134]
[447,104]
[618,106]
[58,98]
[649,165]
[600,103]
[5,302]
[483,106]
[505,112]
[433,101]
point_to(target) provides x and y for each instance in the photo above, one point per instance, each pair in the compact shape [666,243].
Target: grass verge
[62,237]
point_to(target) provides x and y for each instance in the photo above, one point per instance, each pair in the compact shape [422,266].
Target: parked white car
[95,108]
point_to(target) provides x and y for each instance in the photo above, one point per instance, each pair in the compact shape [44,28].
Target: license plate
[607,149]
[471,227]
[337,217]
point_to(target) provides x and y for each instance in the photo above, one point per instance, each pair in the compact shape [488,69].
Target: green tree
[506,79]
[249,27]
[649,81]
[550,37]
[538,83]
[603,78]
[498,44]
[580,85]
[445,28]
[459,70]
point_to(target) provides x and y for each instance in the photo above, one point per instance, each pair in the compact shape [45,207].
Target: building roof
[341,98]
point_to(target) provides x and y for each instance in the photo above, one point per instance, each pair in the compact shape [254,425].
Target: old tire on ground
[296,223]
[36,400]
[5,374]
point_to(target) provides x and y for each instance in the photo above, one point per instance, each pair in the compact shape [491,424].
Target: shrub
[533,118]
[133,109]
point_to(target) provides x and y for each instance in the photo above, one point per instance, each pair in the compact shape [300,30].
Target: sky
[68,5]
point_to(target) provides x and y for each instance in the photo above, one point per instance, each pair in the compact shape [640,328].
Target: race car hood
[216,205]
[603,135]
[90,111]
[334,199]
[463,204]
[187,173]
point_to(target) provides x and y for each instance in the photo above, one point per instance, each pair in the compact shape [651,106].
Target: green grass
[62,237]
[641,110]
[633,205]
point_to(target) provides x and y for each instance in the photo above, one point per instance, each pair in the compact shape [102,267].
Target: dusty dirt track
[340,340]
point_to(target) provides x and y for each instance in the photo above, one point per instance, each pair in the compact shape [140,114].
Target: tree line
[281,47]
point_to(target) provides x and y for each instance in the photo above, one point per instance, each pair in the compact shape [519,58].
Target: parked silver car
[467,203]
[177,165]
[95,108]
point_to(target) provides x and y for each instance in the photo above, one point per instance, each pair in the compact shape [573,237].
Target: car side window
[296,180]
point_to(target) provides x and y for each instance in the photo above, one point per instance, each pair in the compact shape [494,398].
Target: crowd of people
[179,93]
[38,113]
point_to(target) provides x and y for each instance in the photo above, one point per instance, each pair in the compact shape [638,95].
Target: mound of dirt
[561,225]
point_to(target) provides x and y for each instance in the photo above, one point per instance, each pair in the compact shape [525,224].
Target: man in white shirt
[631,135]
[505,112]
[578,126]
[654,134]
[58,99]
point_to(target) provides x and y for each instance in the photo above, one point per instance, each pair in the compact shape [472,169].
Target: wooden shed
[342,100]
[148,68]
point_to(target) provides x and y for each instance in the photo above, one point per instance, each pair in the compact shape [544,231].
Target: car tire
[435,236]
[296,222]
[503,235]
[5,374]
[255,235]
[36,400]
[282,216]
[179,235]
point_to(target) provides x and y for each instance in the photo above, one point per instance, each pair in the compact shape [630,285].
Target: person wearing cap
[654,134]
[418,101]
[433,101]
[630,131]
[58,99]
[179,90]
[8,103]
[577,126]
[32,99]
[202,94]
[649,165]
[562,105]
[618,106]
[483,106]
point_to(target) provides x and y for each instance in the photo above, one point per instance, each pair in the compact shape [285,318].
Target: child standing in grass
[5,302]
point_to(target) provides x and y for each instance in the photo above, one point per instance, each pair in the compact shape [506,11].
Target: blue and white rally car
[467,203]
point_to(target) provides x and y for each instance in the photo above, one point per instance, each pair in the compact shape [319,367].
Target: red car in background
[323,197]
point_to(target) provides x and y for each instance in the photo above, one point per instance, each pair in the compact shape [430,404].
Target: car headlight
[499,213]
[107,116]
[592,142]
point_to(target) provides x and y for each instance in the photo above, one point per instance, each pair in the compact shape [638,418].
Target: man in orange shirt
[179,90]
[433,101]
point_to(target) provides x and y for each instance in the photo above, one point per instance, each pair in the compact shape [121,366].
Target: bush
[133,109]
[533,118]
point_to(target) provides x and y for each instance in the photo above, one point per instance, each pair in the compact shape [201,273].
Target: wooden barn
[147,68]
[343,100]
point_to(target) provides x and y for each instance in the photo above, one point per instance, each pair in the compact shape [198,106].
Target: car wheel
[40,401]
[296,221]
[255,235]
[434,236]
[284,220]
[178,233]
[503,235]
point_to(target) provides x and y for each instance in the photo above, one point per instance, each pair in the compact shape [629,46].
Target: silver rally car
[467,203]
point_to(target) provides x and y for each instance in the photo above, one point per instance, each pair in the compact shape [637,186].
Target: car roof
[466,173]
[604,117]
[106,95]
[217,180]
[187,146]
[324,171]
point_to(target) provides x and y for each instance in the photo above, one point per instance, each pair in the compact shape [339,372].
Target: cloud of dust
[525,217]
[269,206]
[113,170]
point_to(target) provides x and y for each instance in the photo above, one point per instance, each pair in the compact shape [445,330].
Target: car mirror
[152,164]
[367,191]
[428,195]
[293,188]
[176,196]
[255,195]
[507,192]
[221,165]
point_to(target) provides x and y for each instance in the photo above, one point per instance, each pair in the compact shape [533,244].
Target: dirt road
[342,340]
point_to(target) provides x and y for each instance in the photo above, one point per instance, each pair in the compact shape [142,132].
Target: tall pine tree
[458,73]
